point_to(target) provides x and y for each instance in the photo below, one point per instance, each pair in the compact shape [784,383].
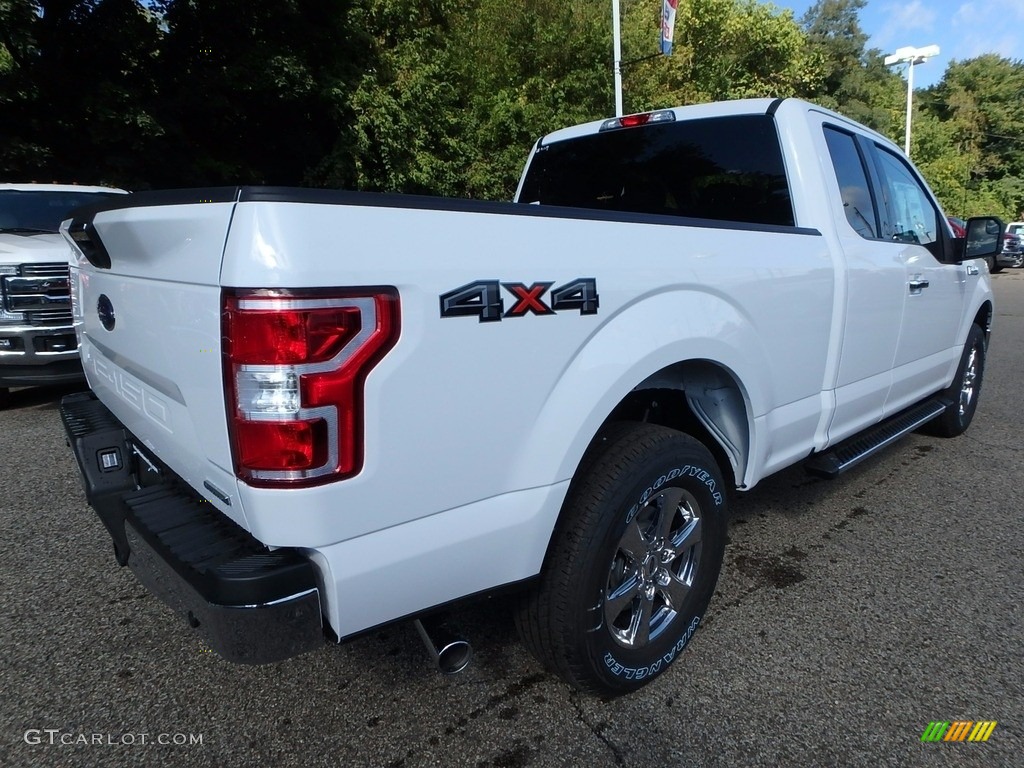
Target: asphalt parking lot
[850,614]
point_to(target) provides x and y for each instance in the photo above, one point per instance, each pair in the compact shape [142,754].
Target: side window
[858,203]
[914,218]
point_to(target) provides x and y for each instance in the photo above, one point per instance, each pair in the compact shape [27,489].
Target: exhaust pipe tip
[451,654]
[454,656]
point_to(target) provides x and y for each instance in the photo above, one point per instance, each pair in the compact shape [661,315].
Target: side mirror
[984,238]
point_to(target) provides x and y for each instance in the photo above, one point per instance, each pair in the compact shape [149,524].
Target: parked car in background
[959,226]
[1013,251]
[37,340]
[1016,229]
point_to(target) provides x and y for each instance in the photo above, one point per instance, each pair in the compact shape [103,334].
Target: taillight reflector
[294,368]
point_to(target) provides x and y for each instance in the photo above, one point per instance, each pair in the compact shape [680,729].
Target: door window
[913,218]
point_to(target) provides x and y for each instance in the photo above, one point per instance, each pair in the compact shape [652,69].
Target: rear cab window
[721,168]
[854,188]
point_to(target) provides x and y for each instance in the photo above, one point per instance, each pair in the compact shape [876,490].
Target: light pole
[617,54]
[910,56]
[668,23]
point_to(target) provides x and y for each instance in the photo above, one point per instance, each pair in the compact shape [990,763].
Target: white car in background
[37,340]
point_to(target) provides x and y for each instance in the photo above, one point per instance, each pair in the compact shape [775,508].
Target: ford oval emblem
[106,312]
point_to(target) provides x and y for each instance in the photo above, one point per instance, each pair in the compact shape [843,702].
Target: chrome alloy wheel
[967,384]
[653,568]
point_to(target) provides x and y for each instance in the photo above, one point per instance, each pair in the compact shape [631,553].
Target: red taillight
[631,121]
[294,367]
[290,446]
[292,337]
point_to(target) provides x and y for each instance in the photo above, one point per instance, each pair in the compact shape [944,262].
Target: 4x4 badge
[482,299]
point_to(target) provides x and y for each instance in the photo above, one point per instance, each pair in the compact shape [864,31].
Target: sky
[962,30]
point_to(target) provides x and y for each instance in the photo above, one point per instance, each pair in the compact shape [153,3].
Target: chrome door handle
[917,285]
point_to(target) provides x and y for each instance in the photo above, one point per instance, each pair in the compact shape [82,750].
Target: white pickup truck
[315,412]
[37,342]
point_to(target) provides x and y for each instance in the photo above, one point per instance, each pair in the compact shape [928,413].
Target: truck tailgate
[149,327]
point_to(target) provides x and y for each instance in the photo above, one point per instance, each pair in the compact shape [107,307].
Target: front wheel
[634,561]
[963,393]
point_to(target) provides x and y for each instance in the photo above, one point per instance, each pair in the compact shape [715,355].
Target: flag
[668,24]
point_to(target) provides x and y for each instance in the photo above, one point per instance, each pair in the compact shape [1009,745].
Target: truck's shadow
[40,398]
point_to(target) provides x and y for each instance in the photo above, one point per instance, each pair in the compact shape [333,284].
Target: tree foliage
[444,96]
[978,102]
[724,49]
[77,93]
[464,88]
[853,78]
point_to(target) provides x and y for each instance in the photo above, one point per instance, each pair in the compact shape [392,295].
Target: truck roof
[716,109]
[30,187]
[691,112]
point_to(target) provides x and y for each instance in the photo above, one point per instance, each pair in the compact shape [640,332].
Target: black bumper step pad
[100,444]
[83,414]
[217,557]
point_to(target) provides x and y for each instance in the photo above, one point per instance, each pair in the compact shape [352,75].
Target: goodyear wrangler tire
[633,563]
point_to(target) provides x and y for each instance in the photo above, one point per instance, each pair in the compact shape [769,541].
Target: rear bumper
[250,604]
[62,372]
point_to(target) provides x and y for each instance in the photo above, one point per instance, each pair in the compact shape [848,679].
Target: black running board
[852,451]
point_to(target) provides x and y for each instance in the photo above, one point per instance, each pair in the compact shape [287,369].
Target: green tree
[978,104]
[724,49]
[462,88]
[854,80]
[259,93]
[76,89]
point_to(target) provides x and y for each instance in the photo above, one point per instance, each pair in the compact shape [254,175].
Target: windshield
[724,168]
[42,211]
[1015,229]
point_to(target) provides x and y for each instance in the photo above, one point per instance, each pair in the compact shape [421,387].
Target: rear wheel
[634,561]
[963,393]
